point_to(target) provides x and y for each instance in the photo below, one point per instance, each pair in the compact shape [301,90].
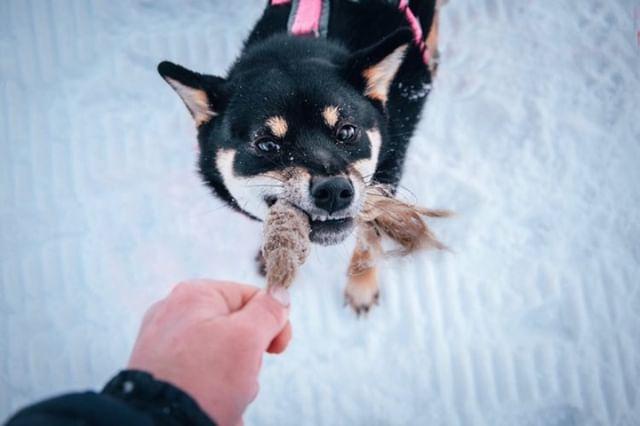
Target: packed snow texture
[531,134]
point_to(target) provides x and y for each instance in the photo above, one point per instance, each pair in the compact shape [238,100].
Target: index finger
[226,296]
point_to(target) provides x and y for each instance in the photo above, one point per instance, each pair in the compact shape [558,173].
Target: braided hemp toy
[286,243]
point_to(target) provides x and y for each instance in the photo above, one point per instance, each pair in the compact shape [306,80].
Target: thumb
[267,313]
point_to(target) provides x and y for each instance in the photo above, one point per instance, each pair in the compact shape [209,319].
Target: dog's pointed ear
[373,68]
[203,95]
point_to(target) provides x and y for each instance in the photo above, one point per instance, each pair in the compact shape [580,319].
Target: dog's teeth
[322,218]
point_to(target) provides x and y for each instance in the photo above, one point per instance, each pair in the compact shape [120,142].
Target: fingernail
[280,294]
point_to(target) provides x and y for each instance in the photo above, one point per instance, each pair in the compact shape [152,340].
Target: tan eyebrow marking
[277,125]
[331,115]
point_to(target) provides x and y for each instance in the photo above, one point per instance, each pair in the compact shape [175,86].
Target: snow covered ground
[532,135]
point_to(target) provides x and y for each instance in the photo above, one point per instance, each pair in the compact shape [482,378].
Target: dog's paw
[362,294]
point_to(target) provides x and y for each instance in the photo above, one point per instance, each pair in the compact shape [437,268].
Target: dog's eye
[267,145]
[347,133]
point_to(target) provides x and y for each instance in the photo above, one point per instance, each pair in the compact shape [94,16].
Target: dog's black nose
[331,193]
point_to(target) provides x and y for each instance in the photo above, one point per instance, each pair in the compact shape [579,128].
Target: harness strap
[311,18]
[416,28]
[307,17]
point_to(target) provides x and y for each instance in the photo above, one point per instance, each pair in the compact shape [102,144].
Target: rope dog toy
[286,232]
[286,243]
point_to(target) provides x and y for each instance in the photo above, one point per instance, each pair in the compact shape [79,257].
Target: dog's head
[297,118]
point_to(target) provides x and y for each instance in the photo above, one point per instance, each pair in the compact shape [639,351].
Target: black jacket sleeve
[130,398]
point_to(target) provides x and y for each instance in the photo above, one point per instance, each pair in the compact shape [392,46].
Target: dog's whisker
[257,185]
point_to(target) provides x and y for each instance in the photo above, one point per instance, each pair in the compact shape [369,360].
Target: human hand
[207,338]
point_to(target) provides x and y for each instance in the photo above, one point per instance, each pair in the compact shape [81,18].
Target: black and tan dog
[322,101]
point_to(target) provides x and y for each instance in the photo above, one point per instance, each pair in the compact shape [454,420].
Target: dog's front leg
[362,291]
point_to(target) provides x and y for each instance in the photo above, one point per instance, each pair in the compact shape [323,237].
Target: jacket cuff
[165,402]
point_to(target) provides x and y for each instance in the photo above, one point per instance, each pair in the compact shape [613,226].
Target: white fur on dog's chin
[332,239]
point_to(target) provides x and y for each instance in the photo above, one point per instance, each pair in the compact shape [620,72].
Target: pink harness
[307,16]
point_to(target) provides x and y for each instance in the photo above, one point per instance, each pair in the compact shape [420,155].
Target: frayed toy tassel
[400,221]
